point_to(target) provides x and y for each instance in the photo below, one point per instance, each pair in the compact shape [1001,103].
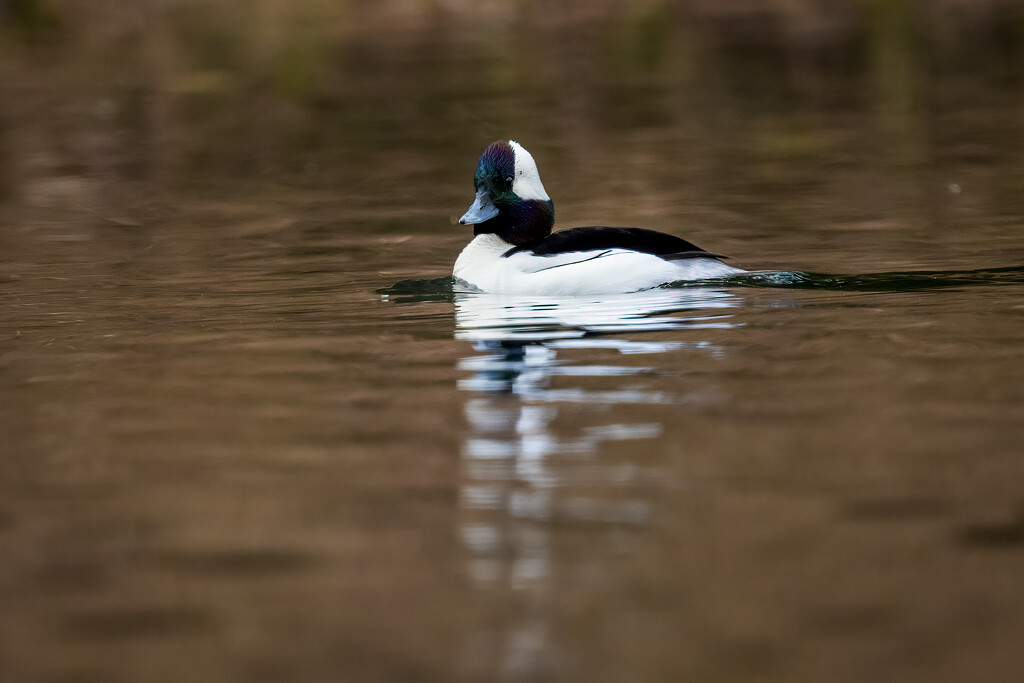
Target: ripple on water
[444,288]
[233,563]
[139,623]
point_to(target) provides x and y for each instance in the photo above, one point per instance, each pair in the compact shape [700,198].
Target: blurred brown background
[249,433]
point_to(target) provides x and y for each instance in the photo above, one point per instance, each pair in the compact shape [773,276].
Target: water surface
[251,432]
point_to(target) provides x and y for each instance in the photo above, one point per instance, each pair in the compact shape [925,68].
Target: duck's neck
[525,222]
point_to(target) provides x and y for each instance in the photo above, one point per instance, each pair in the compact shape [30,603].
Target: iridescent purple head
[510,199]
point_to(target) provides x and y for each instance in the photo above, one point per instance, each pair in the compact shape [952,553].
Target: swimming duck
[513,250]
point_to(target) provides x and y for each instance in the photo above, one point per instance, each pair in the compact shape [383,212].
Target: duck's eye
[509,179]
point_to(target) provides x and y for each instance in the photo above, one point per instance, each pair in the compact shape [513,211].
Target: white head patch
[526,183]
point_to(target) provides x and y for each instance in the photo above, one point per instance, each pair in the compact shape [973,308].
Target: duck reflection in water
[522,479]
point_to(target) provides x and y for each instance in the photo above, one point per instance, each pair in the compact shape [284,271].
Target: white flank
[526,183]
[482,266]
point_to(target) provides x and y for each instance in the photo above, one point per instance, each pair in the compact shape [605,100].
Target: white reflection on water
[510,317]
[520,475]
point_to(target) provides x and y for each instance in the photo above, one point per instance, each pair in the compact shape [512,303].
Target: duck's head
[510,199]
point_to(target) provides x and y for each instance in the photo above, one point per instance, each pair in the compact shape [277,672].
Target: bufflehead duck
[513,250]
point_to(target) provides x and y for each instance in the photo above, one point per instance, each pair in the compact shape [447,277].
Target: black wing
[595,238]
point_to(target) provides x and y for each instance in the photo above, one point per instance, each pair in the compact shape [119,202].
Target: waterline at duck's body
[483,265]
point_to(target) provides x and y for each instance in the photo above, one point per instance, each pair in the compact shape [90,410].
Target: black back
[599,237]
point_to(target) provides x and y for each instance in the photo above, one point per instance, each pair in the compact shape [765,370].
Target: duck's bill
[482,210]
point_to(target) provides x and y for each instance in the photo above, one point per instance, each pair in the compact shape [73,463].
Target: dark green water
[251,432]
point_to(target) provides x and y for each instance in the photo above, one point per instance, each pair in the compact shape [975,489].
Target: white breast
[482,266]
